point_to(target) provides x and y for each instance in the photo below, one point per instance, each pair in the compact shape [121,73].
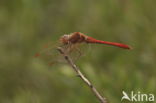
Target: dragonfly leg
[68,48]
[79,52]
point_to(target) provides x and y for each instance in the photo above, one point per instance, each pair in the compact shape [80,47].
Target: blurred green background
[26,25]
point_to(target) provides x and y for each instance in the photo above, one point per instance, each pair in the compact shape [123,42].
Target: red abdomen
[92,40]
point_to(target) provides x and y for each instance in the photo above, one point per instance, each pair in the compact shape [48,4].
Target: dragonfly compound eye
[65,39]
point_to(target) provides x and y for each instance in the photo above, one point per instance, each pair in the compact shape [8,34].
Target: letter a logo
[125,96]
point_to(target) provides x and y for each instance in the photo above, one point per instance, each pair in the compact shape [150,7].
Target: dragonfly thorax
[73,38]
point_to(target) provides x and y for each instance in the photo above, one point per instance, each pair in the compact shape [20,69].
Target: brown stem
[79,73]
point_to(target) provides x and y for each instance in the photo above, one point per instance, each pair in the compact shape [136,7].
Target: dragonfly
[71,43]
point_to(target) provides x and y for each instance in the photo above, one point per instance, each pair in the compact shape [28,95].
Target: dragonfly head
[65,39]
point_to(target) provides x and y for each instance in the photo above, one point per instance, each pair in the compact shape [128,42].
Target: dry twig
[79,73]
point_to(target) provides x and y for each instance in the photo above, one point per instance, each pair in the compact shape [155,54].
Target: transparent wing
[49,53]
[76,51]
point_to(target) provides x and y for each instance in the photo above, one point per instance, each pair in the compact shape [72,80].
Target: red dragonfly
[71,43]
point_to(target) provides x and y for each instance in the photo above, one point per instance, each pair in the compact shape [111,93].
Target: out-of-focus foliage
[26,25]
